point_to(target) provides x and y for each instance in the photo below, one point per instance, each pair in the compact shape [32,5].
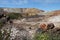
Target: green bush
[1,24]
[14,15]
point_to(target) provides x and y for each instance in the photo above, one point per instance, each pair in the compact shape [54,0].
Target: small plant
[47,36]
[4,35]
[42,36]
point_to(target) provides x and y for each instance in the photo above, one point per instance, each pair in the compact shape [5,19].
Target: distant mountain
[56,12]
[29,11]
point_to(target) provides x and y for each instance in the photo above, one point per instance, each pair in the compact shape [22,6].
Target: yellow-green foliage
[47,36]
[42,36]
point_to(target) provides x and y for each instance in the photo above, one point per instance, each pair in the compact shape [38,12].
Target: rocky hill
[55,12]
[13,28]
[30,11]
[23,10]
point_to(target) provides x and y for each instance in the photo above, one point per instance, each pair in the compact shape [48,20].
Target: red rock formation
[43,26]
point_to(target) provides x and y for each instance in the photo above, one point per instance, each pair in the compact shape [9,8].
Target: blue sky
[47,5]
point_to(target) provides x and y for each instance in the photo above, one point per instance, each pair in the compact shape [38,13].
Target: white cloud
[47,1]
[52,1]
[3,2]
[15,2]
[20,2]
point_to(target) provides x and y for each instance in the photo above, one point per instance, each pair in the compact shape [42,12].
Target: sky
[47,5]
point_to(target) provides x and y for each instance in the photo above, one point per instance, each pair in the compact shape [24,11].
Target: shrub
[1,24]
[47,36]
[4,35]
[14,15]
